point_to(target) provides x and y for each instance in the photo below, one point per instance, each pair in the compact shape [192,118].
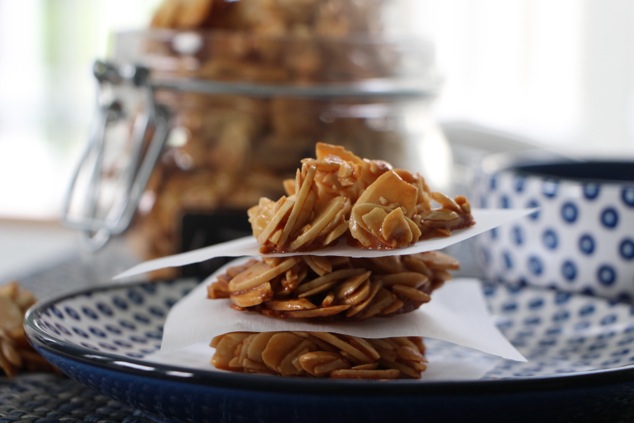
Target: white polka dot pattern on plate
[559,333]
[127,321]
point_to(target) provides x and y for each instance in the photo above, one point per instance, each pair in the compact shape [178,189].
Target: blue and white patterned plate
[580,353]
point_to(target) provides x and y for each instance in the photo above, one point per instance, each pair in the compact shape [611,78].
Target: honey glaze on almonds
[339,194]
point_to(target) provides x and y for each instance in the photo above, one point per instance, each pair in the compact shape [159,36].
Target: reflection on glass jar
[225,152]
[244,110]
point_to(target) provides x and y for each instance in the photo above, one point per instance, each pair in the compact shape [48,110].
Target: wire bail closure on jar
[107,188]
[84,207]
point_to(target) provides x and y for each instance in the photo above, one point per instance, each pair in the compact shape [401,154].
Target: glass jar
[196,126]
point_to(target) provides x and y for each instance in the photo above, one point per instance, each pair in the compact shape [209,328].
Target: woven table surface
[47,397]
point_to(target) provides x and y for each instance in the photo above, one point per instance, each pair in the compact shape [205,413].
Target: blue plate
[580,353]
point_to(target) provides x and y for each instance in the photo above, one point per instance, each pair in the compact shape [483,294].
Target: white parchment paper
[486,219]
[456,314]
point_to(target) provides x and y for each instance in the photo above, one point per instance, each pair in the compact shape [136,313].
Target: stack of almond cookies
[338,197]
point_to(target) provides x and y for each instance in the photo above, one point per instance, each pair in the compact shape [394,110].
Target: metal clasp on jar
[113,171]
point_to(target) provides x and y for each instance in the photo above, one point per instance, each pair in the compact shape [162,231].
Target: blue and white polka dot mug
[582,237]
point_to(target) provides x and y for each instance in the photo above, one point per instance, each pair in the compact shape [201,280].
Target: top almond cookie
[371,204]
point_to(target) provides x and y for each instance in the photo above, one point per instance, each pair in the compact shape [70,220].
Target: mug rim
[518,162]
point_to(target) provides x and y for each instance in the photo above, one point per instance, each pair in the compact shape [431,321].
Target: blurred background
[560,73]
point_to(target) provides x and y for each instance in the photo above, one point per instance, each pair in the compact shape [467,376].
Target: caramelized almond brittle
[320,354]
[15,351]
[339,194]
[334,288]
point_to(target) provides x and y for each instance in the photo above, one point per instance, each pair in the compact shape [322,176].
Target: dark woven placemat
[48,398]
